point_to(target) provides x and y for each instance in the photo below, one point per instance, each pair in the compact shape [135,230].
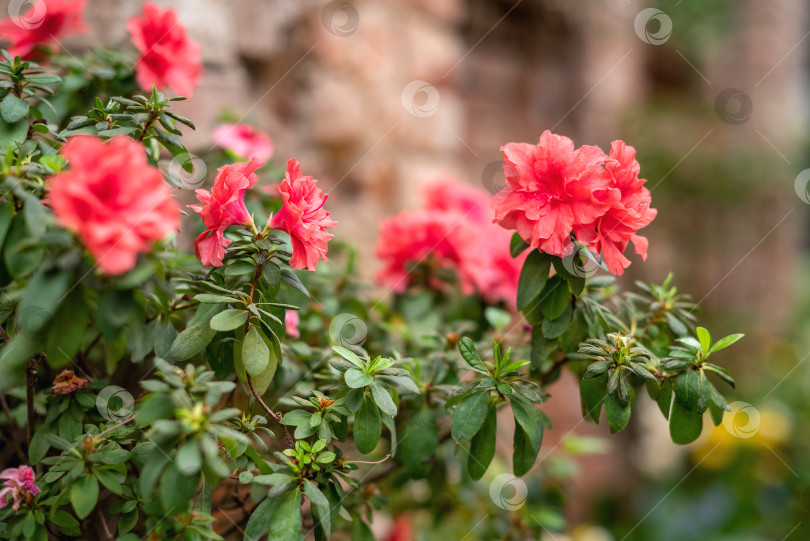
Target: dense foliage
[145,389]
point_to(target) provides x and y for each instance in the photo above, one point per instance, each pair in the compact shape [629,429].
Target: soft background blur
[377,97]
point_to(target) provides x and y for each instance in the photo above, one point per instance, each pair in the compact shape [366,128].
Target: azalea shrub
[260,387]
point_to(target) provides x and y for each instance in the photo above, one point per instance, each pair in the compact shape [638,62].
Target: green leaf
[356,379]
[285,523]
[383,399]
[592,394]
[419,443]
[209,298]
[66,522]
[13,108]
[482,446]
[720,372]
[367,426]
[259,521]
[468,416]
[348,355]
[617,412]
[533,278]
[84,495]
[684,425]
[523,452]
[725,342]
[717,413]
[469,353]
[12,134]
[229,320]
[191,341]
[320,508]
[554,328]
[189,459]
[41,299]
[517,245]
[596,369]
[705,338]
[688,389]
[255,353]
[528,417]
[554,298]
[664,399]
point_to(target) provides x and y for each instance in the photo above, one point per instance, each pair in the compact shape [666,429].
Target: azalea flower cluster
[111,197]
[554,191]
[18,486]
[452,231]
[168,57]
[301,216]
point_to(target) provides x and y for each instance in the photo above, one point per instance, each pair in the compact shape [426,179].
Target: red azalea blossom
[19,484]
[303,217]
[224,206]
[113,199]
[610,234]
[244,140]
[44,22]
[551,188]
[169,57]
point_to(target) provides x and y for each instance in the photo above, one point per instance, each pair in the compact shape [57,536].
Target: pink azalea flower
[453,231]
[44,22]
[169,58]
[303,217]
[113,200]
[442,240]
[244,141]
[19,485]
[551,188]
[291,321]
[224,206]
[450,195]
[610,233]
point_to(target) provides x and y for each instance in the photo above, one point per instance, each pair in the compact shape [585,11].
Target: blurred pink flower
[244,141]
[44,22]
[303,217]
[113,199]
[169,57]
[19,484]
[551,188]
[440,239]
[291,321]
[453,231]
[224,206]
[610,233]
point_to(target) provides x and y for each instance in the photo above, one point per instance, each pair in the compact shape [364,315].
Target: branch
[30,383]
[275,415]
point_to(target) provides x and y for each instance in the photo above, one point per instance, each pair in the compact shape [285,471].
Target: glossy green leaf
[367,426]
[482,446]
[468,416]
[533,278]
